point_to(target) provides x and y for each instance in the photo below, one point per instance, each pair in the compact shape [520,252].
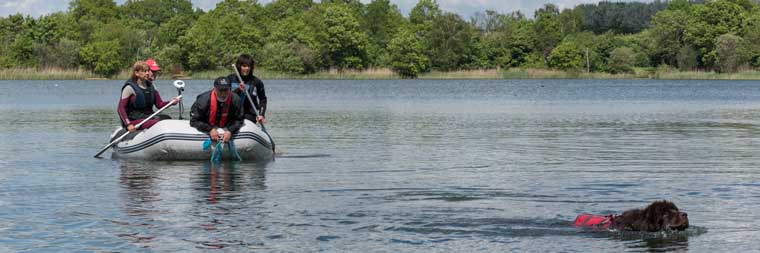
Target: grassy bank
[638,73]
[46,74]
[369,74]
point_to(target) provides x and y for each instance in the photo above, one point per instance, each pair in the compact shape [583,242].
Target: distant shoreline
[387,74]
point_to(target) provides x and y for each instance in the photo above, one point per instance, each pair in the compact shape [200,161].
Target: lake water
[393,166]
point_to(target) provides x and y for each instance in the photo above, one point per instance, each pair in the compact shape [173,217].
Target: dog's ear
[654,214]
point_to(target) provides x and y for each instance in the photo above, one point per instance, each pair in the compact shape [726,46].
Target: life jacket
[590,220]
[144,98]
[251,89]
[212,120]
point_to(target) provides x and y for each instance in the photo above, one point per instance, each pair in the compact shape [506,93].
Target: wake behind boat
[177,140]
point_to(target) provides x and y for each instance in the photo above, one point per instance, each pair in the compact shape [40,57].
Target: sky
[464,8]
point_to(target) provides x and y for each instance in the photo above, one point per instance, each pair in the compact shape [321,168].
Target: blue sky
[463,7]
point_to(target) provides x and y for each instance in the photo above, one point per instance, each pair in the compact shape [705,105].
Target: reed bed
[387,74]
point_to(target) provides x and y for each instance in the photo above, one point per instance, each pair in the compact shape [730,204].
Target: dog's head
[664,215]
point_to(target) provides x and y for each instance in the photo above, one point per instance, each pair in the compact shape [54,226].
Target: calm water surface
[393,166]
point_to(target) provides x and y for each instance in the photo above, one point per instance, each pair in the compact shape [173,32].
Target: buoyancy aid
[222,121]
[250,86]
[590,220]
[144,98]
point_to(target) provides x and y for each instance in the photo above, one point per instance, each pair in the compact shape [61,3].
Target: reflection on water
[206,198]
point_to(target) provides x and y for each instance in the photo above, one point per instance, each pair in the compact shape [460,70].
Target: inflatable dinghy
[177,140]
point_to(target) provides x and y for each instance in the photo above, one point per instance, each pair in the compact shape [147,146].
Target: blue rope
[216,154]
[233,150]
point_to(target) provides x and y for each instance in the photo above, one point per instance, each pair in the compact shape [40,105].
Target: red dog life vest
[590,220]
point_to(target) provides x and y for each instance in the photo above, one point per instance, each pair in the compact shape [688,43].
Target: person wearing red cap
[138,96]
[154,68]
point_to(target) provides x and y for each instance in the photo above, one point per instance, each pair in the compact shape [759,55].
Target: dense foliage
[304,36]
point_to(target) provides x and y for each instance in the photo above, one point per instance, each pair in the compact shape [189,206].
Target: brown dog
[658,216]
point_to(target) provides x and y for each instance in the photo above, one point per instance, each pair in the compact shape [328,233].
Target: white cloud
[32,7]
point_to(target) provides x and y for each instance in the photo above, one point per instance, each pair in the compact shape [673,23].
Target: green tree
[408,57]
[111,46]
[510,43]
[21,41]
[171,57]
[619,17]
[56,26]
[281,57]
[709,21]
[640,43]
[102,57]
[381,21]
[571,21]
[356,6]
[584,51]
[729,51]
[547,28]
[22,51]
[423,13]
[101,10]
[299,36]
[171,30]
[9,27]
[686,58]
[678,5]
[156,12]
[568,55]
[668,33]
[487,22]
[281,9]
[43,37]
[91,14]
[600,49]
[343,44]
[220,35]
[621,60]
[167,46]
[451,41]
[751,31]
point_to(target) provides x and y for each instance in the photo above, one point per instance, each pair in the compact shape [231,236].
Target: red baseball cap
[152,65]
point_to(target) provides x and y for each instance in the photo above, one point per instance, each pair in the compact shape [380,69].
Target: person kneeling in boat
[215,109]
[138,96]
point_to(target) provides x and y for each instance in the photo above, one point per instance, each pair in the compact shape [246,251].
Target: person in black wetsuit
[251,84]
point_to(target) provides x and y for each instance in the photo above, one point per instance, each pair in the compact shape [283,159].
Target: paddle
[136,127]
[253,106]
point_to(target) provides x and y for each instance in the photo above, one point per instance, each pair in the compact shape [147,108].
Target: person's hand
[227,136]
[241,86]
[131,128]
[213,134]
[175,100]
[261,119]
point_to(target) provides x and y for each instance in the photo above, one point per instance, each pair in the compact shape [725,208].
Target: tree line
[302,36]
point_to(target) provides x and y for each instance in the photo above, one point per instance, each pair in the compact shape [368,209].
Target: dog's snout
[684,215]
